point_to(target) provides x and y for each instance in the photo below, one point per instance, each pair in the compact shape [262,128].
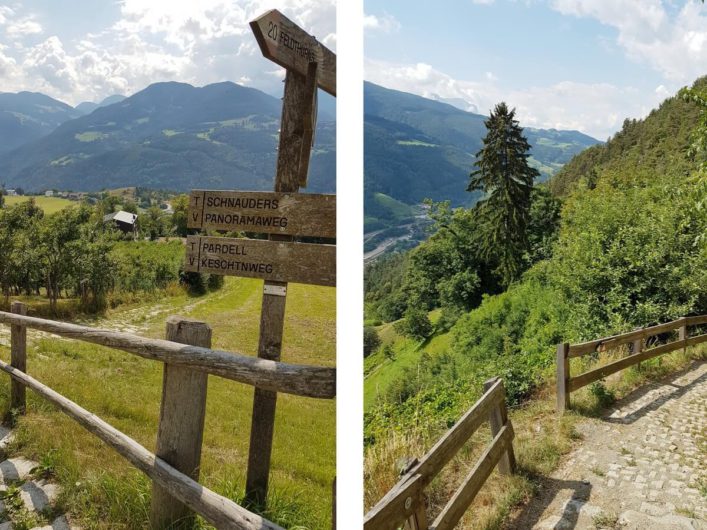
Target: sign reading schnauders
[282,214]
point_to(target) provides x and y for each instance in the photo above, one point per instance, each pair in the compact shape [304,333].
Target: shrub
[371,340]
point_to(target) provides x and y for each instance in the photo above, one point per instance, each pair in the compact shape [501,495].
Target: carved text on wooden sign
[296,214]
[288,45]
[281,261]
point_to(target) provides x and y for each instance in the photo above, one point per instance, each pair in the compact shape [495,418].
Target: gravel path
[642,466]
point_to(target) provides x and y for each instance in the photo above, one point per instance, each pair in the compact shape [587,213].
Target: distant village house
[126,222]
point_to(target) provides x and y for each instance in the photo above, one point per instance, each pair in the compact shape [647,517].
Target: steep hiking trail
[641,465]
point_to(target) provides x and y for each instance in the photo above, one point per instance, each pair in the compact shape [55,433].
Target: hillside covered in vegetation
[617,240]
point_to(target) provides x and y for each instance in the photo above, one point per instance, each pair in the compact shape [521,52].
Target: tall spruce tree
[507,180]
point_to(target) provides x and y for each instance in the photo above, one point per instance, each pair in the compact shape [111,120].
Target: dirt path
[642,466]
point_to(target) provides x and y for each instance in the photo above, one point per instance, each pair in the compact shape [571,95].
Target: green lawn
[48,204]
[103,491]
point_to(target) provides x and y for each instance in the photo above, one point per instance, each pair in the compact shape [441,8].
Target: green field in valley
[101,490]
[50,205]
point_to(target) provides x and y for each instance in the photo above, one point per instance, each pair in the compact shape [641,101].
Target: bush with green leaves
[415,324]
[371,340]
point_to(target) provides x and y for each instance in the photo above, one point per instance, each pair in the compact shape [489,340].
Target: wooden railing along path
[189,359]
[405,502]
[566,383]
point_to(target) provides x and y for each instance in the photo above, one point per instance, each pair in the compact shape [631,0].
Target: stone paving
[27,501]
[642,466]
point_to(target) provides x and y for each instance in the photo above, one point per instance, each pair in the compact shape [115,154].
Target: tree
[180,204]
[507,180]
[416,324]
[371,340]
[151,222]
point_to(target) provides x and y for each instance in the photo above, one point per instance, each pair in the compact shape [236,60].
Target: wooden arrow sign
[288,45]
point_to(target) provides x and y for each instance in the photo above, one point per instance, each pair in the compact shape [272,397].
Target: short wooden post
[333,504]
[682,331]
[418,520]
[563,377]
[498,417]
[18,359]
[637,347]
[181,426]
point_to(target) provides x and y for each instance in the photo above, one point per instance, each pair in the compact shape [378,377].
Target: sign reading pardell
[281,261]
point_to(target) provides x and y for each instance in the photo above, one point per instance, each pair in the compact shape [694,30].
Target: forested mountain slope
[656,144]
[27,116]
[169,136]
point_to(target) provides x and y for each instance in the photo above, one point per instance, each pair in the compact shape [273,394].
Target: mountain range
[27,116]
[168,136]
[417,148]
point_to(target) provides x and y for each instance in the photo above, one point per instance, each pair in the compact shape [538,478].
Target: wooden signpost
[282,214]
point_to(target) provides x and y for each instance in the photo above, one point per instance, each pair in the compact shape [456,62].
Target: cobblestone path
[26,499]
[642,466]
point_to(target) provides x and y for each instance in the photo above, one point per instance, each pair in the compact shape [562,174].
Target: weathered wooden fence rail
[566,383]
[188,360]
[405,502]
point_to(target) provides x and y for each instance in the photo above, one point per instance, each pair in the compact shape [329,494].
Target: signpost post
[282,214]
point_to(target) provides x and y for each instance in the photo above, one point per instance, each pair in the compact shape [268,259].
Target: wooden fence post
[497,419]
[18,359]
[563,377]
[682,331]
[636,348]
[181,425]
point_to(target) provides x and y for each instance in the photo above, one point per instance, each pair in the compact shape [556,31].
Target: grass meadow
[101,490]
[50,205]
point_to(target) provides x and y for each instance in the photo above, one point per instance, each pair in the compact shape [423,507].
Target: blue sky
[86,50]
[571,64]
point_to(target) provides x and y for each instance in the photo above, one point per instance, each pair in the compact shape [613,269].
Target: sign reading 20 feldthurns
[282,261]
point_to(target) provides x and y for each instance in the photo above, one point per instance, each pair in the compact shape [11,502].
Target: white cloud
[597,109]
[385,23]
[24,27]
[673,42]
[483,2]
[152,40]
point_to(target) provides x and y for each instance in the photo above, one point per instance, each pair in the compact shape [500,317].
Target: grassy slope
[50,205]
[380,372]
[103,491]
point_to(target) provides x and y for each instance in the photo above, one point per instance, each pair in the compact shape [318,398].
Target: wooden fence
[404,504]
[638,339]
[189,359]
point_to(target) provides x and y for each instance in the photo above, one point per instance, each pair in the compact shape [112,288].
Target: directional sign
[288,45]
[281,261]
[297,214]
